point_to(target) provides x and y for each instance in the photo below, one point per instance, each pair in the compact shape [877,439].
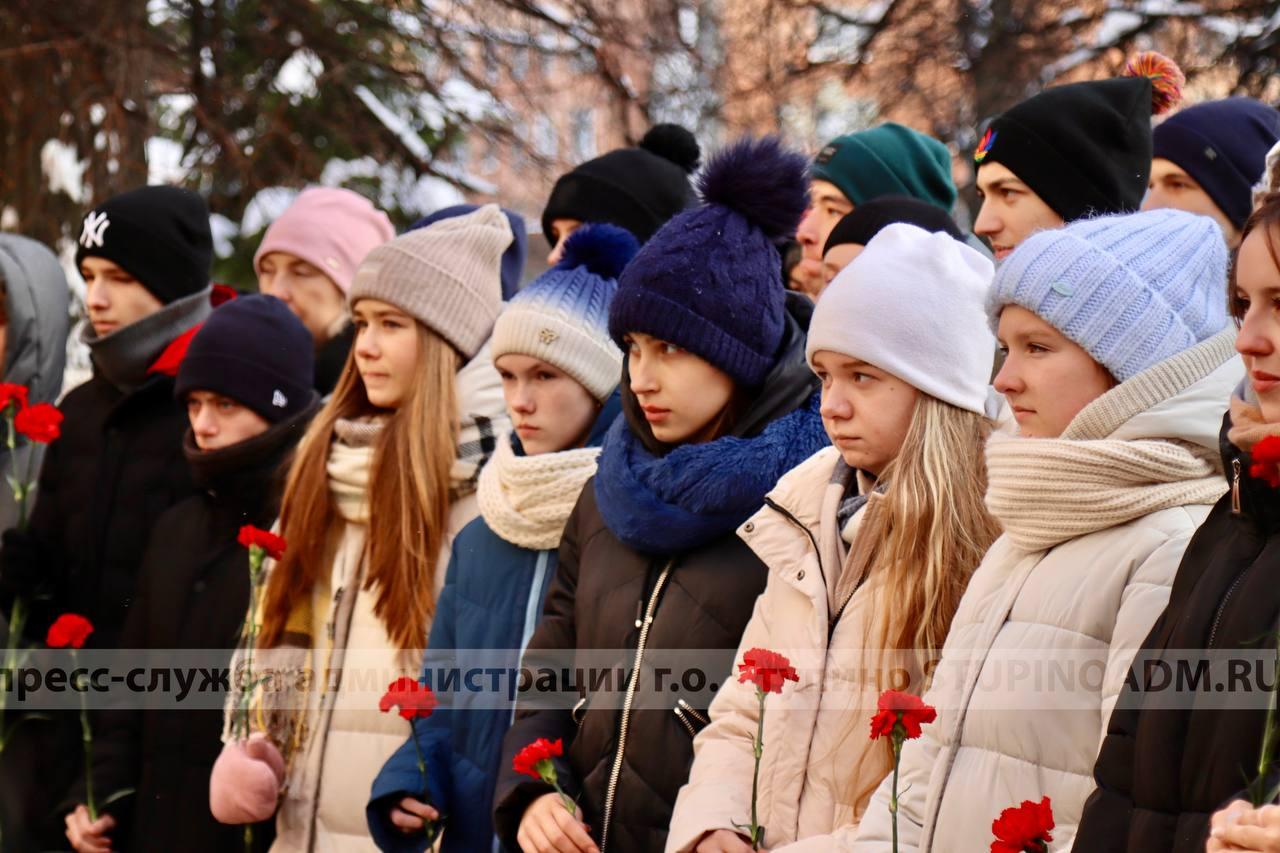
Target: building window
[584,134]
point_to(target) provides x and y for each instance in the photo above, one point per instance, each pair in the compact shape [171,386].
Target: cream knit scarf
[1048,491]
[526,500]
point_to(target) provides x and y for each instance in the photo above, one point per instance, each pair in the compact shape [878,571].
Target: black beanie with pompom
[638,188]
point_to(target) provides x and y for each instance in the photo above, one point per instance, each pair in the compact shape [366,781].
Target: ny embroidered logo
[279,400]
[95,225]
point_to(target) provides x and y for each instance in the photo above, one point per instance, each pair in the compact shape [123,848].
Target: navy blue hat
[512,258]
[710,280]
[255,351]
[1223,145]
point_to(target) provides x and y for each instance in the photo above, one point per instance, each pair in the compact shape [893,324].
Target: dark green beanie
[888,160]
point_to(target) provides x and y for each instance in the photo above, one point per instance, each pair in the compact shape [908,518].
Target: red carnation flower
[40,423]
[767,670]
[69,632]
[898,707]
[414,700]
[1024,829]
[12,393]
[527,760]
[1266,461]
[254,537]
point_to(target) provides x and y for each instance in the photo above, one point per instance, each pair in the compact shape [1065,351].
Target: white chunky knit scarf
[526,500]
[1047,491]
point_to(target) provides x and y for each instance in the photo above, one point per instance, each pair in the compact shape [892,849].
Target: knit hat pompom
[672,142]
[761,180]
[603,249]
[1166,79]
[562,316]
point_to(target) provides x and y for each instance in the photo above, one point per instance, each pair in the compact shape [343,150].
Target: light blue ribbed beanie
[562,316]
[1131,290]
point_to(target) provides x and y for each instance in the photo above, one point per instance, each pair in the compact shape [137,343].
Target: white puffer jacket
[1042,642]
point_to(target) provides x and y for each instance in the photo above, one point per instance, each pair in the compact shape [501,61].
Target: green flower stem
[86,737]
[756,832]
[1259,792]
[256,557]
[898,737]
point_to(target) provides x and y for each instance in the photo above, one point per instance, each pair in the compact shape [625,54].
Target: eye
[861,377]
[670,349]
[225,405]
[193,405]
[1003,350]
[361,324]
[546,376]
[1037,348]
[1008,195]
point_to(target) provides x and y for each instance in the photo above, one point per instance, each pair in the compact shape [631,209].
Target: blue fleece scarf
[697,492]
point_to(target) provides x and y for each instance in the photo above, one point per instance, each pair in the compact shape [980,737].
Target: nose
[95,295]
[1251,340]
[807,232]
[556,253]
[835,406]
[642,379]
[987,224]
[204,423]
[1008,381]
[367,344]
[522,400]
[1154,199]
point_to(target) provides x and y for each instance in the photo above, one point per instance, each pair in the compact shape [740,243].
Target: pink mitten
[246,779]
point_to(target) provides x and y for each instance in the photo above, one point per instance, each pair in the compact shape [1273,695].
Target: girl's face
[1256,306]
[386,351]
[549,409]
[682,396]
[865,410]
[218,421]
[1046,378]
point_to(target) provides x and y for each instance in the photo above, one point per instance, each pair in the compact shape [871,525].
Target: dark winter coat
[192,593]
[1162,772]
[492,600]
[609,596]
[331,357]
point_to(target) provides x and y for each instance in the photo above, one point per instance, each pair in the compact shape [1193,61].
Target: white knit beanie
[447,275]
[912,304]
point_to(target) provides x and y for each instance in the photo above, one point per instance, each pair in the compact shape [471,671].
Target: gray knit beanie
[447,276]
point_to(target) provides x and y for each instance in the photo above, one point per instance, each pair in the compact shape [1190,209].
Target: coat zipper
[817,553]
[1235,486]
[627,701]
[1217,617]
[693,712]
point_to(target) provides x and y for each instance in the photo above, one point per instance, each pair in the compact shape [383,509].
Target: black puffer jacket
[189,597]
[1170,759]
[602,591]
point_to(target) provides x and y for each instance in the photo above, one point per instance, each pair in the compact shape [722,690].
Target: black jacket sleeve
[555,634]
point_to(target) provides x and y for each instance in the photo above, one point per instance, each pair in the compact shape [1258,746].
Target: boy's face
[827,206]
[114,298]
[1011,211]
[1171,186]
[218,421]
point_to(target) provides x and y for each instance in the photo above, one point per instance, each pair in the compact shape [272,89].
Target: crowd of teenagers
[758,401]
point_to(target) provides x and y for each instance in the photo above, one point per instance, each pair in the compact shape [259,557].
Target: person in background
[307,260]
[638,189]
[1209,157]
[1071,152]
[852,170]
[855,230]
[246,386]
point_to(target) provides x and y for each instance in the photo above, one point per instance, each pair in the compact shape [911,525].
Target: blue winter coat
[492,599]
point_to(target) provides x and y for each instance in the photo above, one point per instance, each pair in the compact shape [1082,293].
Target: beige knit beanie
[447,276]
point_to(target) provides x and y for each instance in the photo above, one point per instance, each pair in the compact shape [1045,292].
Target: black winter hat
[159,235]
[869,218]
[638,189]
[1085,148]
[255,351]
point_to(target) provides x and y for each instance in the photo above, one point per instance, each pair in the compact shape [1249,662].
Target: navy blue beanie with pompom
[710,280]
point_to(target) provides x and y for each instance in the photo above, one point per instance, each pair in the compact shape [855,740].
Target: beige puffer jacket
[815,731]
[1043,639]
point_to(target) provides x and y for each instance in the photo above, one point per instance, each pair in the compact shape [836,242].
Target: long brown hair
[1267,217]
[927,535]
[408,499]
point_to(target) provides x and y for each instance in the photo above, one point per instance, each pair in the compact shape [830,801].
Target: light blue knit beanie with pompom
[1131,290]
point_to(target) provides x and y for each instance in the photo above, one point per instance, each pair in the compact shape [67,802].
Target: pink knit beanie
[331,229]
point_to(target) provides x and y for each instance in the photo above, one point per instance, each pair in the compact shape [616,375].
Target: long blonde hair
[408,499]
[926,536]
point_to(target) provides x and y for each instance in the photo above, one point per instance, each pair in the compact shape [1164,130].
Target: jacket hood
[38,303]
[1180,399]
[786,387]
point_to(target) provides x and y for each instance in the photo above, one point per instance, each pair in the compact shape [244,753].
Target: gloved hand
[245,783]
